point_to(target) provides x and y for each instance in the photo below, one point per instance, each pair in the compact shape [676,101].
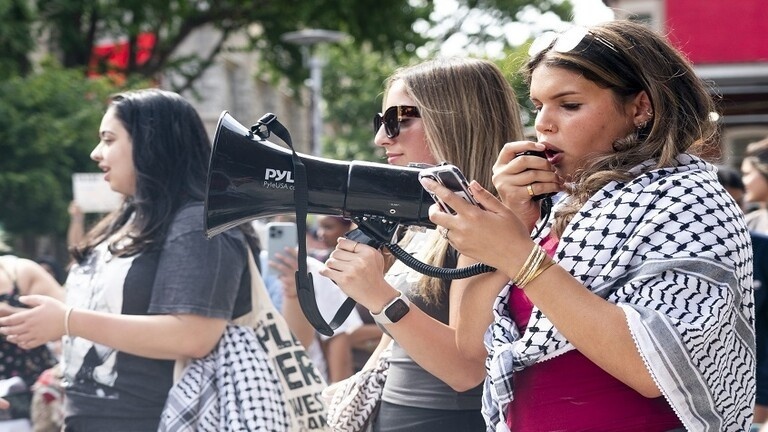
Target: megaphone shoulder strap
[304,287]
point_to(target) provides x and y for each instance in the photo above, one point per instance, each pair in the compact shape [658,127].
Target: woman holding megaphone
[461,111]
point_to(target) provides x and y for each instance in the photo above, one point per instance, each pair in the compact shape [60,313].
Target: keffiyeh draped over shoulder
[671,249]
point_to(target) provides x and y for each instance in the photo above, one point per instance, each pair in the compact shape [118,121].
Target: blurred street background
[318,65]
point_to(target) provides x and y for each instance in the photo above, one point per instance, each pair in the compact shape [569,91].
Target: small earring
[649,113]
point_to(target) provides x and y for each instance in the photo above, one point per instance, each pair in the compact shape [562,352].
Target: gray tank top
[408,383]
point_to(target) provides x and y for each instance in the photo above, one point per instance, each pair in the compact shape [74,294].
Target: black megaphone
[250,178]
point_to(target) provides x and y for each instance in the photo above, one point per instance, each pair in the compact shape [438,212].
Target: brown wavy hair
[628,58]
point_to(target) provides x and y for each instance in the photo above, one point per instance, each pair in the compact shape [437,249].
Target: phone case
[280,235]
[451,177]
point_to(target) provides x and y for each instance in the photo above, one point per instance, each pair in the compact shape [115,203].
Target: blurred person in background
[366,337]
[754,172]
[329,229]
[730,178]
[52,266]
[331,354]
[21,277]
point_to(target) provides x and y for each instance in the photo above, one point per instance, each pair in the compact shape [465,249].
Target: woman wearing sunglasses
[457,110]
[632,310]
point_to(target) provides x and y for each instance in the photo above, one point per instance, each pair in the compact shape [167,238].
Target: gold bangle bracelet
[538,272]
[533,266]
[527,265]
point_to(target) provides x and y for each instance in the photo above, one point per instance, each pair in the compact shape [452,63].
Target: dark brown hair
[628,58]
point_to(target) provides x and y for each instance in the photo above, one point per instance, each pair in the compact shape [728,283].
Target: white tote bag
[277,368]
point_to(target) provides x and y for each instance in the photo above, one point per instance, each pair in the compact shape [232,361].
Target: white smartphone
[280,235]
[451,177]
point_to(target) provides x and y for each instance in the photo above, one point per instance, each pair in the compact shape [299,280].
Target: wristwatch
[393,311]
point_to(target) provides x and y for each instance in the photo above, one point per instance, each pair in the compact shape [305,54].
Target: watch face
[397,310]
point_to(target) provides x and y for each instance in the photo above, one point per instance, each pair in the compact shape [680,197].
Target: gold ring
[354,248]
[530,190]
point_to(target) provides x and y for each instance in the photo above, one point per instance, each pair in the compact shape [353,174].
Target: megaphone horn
[250,178]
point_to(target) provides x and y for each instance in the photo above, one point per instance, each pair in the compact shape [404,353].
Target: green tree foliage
[511,65]
[395,28]
[77,25]
[16,39]
[352,89]
[48,126]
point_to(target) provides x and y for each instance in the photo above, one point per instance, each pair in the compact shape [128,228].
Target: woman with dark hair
[147,288]
[633,309]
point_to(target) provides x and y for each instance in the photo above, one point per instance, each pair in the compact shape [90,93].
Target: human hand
[6,309]
[518,178]
[31,328]
[75,212]
[285,264]
[358,270]
[490,233]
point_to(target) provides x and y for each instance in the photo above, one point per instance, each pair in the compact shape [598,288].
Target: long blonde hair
[469,111]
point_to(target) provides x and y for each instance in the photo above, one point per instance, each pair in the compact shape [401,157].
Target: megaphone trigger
[361,237]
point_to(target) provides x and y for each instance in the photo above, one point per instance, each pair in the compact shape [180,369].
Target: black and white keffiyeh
[672,250]
[231,389]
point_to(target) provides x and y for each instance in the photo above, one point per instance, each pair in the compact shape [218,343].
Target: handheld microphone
[541,155]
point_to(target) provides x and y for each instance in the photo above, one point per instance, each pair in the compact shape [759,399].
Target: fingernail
[427,183]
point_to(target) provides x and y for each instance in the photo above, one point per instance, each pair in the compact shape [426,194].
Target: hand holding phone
[451,177]
[280,235]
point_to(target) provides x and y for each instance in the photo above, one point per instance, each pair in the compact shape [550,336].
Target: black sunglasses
[392,118]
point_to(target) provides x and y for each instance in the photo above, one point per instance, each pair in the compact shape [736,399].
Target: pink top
[569,392]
